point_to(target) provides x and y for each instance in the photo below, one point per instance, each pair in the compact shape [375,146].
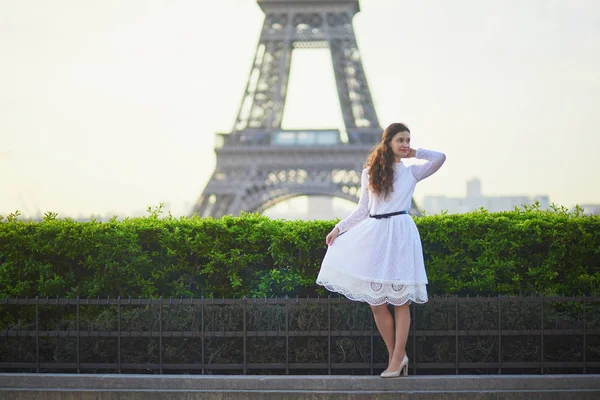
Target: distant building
[311,207]
[591,209]
[475,200]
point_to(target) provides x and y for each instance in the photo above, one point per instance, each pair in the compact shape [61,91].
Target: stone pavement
[192,387]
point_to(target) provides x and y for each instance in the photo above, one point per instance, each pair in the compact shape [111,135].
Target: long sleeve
[361,211]
[434,159]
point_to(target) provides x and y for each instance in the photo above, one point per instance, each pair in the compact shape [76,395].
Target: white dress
[381,260]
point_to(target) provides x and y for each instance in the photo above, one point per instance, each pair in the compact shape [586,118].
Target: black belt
[379,216]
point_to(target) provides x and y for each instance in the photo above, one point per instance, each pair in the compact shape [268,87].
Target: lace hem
[379,294]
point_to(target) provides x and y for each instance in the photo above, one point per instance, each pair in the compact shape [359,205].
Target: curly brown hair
[381,162]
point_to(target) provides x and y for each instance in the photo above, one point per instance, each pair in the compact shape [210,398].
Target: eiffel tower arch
[260,164]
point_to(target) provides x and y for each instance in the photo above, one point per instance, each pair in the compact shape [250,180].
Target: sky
[108,107]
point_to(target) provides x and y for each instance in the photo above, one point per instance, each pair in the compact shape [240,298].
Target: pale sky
[110,106]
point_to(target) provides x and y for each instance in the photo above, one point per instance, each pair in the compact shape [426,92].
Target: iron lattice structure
[448,335]
[260,164]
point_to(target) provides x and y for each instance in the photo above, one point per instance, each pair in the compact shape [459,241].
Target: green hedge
[518,252]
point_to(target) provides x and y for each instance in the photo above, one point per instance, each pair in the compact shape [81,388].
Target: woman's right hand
[332,236]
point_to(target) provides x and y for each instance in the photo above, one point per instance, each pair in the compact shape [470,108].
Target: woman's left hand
[411,153]
[332,236]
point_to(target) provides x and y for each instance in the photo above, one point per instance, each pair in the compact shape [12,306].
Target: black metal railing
[533,334]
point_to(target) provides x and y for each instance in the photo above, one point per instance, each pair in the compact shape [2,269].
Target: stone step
[191,387]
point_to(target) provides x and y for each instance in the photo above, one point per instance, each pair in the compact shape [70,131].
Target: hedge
[525,251]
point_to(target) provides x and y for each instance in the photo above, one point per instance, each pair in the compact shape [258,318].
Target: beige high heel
[395,374]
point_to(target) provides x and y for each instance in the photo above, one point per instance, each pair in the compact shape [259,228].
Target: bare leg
[385,324]
[402,316]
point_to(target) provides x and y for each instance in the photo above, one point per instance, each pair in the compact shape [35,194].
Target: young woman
[380,260]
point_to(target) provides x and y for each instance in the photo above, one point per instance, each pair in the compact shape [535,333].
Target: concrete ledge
[188,387]
[296,382]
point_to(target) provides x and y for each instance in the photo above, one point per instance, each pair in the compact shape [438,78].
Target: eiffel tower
[259,164]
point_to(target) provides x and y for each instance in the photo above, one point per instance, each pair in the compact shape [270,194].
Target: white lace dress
[381,260]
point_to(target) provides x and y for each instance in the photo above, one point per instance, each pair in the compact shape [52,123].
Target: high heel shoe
[395,374]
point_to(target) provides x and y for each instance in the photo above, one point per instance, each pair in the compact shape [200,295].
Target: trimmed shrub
[525,251]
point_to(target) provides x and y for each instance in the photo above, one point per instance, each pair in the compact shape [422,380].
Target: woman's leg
[385,324]
[402,316]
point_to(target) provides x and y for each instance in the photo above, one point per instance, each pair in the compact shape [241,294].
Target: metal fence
[532,334]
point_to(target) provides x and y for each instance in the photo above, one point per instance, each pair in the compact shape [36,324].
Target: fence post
[78,334]
[499,334]
[584,335]
[414,339]
[542,333]
[202,330]
[37,334]
[118,331]
[456,333]
[372,344]
[244,318]
[287,337]
[160,341]
[329,332]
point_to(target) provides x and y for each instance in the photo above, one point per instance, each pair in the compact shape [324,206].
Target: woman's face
[400,144]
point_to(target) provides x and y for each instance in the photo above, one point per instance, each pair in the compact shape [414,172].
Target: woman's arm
[362,209]
[435,159]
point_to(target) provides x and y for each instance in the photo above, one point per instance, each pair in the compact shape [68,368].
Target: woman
[380,260]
